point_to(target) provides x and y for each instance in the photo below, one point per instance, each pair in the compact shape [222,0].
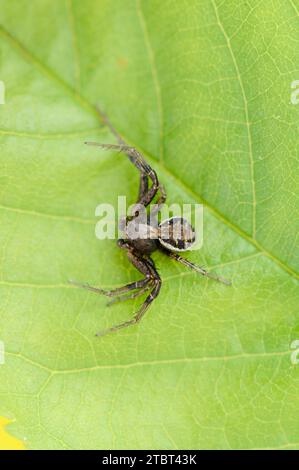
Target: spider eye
[176,234]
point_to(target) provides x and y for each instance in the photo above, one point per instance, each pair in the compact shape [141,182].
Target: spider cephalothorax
[141,238]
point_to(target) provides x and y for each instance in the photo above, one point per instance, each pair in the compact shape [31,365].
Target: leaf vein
[251,159]
[154,74]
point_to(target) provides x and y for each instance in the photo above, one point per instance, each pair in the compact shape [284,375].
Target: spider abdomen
[176,234]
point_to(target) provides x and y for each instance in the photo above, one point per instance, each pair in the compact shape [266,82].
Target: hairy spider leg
[143,184]
[147,268]
[196,268]
[108,123]
[141,165]
[157,206]
[114,292]
[138,293]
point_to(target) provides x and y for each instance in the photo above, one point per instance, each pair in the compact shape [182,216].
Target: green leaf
[203,89]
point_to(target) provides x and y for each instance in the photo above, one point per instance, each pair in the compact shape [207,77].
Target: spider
[170,236]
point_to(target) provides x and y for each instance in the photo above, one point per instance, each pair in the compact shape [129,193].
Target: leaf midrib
[85,104]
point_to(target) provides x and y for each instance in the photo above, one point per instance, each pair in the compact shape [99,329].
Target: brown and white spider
[170,236]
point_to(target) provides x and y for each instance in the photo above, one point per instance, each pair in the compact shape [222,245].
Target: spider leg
[138,293]
[196,268]
[114,292]
[150,271]
[140,163]
[157,206]
[106,121]
[143,184]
